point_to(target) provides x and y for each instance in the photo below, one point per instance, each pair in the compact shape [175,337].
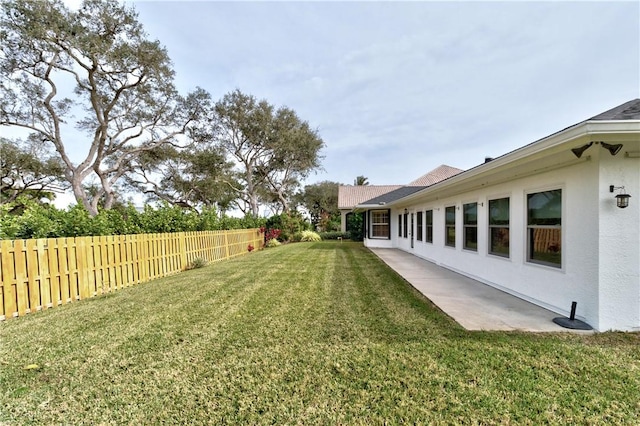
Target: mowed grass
[308,333]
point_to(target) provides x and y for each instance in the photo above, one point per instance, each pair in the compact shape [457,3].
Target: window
[499,227]
[419,226]
[428,217]
[399,225]
[470,224]
[450,226]
[405,225]
[380,226]
[544,228]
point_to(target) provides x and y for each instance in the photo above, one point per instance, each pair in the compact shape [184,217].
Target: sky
[396,89]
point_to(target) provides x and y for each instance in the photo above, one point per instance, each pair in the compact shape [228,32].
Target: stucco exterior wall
[619,243]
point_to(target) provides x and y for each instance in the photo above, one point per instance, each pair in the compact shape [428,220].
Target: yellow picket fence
[44,273]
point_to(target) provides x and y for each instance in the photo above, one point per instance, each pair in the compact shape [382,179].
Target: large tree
[293,153]
[273,149]
[195,177]
[321,201]
[91,84]
[27,169]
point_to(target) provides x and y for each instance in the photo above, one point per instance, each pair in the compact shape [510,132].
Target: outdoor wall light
[580,150]
[406,211]
[613,149]
[622,199]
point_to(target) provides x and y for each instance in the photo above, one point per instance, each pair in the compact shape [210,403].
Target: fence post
[34,277]
[226,244]
[183,251]
[45,276]
[8,273]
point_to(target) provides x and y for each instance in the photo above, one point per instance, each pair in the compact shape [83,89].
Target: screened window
[399,225]
[428,218]
[544,228]
[419,226]
[380,224]
[499,227]
[470,224]
[450,226]
[405,225]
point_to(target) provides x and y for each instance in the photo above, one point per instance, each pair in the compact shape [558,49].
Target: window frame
[419,226]
[468,227]
[399,225]
[373,224]
[497,226]
[428,227]
[532,228]
[405,225]
[449,225]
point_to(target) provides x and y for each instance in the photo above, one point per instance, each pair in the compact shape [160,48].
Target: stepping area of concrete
[474,305]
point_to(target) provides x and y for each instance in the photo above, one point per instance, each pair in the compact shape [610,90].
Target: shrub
[310,236]
[197,263]
[355,226]
[288,224]
[335,235]
[272,234]
[273,243]
[45,221]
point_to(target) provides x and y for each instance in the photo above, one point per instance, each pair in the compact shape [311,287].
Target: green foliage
[310,236]
[44,221]
[273,242]
[361,181]
[275,148]
[289,224]
[355,226]
[28,170]
[334,235]
[197,263]
[321,200]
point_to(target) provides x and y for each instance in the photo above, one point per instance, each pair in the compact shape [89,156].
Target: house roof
[394,195]
[436,175]
[627,111]
[350,196]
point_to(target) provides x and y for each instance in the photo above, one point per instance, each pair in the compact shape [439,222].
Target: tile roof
[350,196]
[436,175]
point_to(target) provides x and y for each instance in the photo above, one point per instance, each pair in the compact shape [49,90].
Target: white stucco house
[541,222]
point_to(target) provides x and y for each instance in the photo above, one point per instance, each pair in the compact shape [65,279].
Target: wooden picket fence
[44,273]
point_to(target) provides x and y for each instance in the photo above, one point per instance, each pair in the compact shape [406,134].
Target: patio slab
[472,304]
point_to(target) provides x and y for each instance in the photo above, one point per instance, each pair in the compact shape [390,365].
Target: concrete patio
[474,305]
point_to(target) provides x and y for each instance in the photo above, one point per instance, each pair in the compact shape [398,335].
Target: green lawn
[308,333]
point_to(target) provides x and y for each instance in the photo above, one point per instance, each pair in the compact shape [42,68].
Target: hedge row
[42,221]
